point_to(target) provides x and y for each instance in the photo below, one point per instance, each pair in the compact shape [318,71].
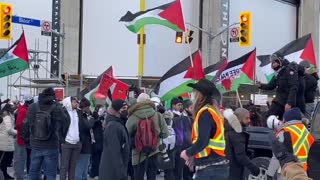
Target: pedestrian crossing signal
[5,21]
[245,29]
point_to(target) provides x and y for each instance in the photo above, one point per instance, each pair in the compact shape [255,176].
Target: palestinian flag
[169,15]
[15,59]
[296,51]
[239,71]
[94,86]
[213,72]
[174,82]
[111,88]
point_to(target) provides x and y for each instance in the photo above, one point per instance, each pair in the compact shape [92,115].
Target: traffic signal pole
[211,36]
[141,47]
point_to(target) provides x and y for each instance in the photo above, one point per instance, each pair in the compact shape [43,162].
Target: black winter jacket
[97,129]
[300,102]
[84,130]
[236,152]
[311,87]
[57,116]
[85,135]
[287,85]
[116,148]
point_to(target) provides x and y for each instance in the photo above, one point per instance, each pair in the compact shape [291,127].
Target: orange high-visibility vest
[217,142]
[302,141]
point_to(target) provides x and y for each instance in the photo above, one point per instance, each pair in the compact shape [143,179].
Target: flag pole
[189,46]
[239,98]
[141,46]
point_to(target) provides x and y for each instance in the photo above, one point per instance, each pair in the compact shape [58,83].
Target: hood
[43,99]
[233,121]
[284,62]
[67,103]
[142,109]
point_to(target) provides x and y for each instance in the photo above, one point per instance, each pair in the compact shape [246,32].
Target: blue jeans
[220,172]
[82,167]
[20,158]
[46,159]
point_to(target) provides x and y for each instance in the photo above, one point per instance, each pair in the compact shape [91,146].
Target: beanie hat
[292,114]
[118,104]
[143,97]
[48,92]
[241,113]
[84,102]
[305,64]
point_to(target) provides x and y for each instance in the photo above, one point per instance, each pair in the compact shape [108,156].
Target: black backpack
[41,126]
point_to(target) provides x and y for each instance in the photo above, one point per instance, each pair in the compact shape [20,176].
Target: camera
[164,154]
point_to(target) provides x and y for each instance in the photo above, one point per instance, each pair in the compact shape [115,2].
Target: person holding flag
[286,81]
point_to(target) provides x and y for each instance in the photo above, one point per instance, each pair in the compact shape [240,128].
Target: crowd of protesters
[193,139]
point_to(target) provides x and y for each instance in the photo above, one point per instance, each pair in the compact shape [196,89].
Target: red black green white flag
[15,59]
[236,72]
[174,82]
[295,51]
[169,15]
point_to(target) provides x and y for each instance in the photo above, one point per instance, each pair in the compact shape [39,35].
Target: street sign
[26,21]
[46,28]
[234,34]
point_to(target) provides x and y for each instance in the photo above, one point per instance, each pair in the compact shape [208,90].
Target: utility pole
[141,47]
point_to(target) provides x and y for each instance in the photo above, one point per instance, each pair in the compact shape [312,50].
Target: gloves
[95,115]
[281,152]
[255,170]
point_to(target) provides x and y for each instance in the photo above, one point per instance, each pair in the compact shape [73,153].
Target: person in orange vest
[291,168]
[296,137]
[207,152]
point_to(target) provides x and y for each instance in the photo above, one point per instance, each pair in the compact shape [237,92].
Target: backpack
[25,131]
[170,141]
[146,137]
[179,131]
[41,126]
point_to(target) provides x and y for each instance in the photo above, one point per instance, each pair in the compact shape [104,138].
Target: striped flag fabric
[295,51]
[236,72]
[174,82]
[15,59]
[169,15]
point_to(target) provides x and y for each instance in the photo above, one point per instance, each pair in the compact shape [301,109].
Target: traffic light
[5,21]
[245,29]
[189,37]
[65,78]
[179,37]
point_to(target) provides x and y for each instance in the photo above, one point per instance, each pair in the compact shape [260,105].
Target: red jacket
[22,114]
